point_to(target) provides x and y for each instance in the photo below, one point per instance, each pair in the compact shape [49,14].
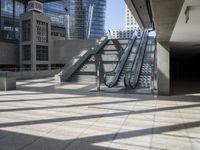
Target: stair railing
[78,60]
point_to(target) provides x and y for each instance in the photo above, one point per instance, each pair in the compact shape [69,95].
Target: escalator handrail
[118,68]
[128,73]
[134,77]
[113,70]
[131,77]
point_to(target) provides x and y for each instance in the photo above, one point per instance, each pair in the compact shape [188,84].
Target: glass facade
[56,11]
[76,19]
[11,10]
[79,12]
[98,17]
[9,18]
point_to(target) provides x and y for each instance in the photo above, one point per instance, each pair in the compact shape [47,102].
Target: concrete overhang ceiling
[141,11]
[186,34]
[165,15]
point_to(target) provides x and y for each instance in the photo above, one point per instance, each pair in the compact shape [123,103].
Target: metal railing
[111,77]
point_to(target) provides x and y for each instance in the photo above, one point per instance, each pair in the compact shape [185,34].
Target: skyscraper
[130,22]
[130,26]
[76,19]
[98,17]
[87,18]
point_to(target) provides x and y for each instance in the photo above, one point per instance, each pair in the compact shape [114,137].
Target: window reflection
[7,25]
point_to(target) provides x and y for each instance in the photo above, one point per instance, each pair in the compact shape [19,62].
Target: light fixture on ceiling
[196,45]
[187,14]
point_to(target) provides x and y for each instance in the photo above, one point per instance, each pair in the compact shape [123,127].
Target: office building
[130,22]
[130,26]
[121,33]
[11,10]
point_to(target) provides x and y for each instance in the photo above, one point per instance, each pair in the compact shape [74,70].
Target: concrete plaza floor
[40,115]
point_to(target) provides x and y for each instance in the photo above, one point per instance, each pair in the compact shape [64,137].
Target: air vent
[196,45]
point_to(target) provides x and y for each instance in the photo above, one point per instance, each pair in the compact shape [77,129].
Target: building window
[26,30]
[26,67]
[41,53]
[42,67]
[26,52]
[42,31]
[6,26]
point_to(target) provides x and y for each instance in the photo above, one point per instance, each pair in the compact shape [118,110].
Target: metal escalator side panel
[128,74]
[117,70]
[135,75]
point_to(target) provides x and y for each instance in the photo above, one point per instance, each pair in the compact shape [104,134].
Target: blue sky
[115,14]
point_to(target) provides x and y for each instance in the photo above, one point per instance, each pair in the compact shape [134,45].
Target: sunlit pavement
[40,115]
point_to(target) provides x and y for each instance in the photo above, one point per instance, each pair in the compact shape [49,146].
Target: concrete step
[83,78]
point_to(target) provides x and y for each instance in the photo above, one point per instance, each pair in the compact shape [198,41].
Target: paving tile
[135,137]
[68,130]
[82,145]
[48,144]
[121,146]
[16,141]
[34,117]
[171,142]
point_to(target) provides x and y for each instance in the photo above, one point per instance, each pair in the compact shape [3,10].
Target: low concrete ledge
[58,78]
[7,81]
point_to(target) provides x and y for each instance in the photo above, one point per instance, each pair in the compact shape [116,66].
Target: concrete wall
[65,50]
[34,74]
[9,53]
[60,51]
[163,68]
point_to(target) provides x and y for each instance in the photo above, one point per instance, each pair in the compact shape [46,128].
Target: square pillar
[163,68]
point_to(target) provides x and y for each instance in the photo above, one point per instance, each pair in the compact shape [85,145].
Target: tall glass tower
[97,17]
[86,18]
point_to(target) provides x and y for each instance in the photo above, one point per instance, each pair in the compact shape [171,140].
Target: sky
[115,14]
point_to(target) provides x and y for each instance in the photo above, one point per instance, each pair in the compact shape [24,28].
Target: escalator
[142,73]
[116,77]
[148,68]
[129,62]
[109,57]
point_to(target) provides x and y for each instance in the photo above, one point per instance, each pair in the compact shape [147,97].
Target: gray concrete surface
[163,68]
[7,81]
[22,75]
[165,15]
[43,116]
[65,50]
[9,53]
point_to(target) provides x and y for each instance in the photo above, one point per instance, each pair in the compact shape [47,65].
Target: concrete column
[33,42]
[0,17]
[163,67]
